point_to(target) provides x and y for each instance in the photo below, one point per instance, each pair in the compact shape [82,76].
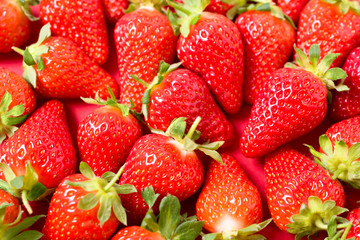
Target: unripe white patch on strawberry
[227,224]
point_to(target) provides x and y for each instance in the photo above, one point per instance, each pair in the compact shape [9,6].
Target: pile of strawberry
[128,111]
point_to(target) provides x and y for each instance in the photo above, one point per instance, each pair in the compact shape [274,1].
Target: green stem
[19,51]
[319,223]
[179,6]
[193,127]
[337,173]
[115,178]
[26,201]
[347,229]
[140,81]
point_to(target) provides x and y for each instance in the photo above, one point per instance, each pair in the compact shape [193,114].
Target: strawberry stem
[179,6]
[115,178]
[26,201]
[19,51]
[193,127]
[346,232]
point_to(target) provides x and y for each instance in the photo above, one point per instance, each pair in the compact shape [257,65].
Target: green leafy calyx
[150,4]
[25,6]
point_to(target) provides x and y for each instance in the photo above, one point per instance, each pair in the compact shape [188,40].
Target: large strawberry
[292,8]
[181,93]
[302,197]
[86,207]
[347,104]
[143,38]
[333,24]
[293,103]
[168,162]
[58,68]
[354,217]
[228,201]
[265,51]
[114,9]
[210,45]
[14,23]
[39,155]
[82,21]
[106,136]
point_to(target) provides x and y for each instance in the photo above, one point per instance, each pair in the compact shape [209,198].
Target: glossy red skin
[11,212]
[214,50]
[43,140]
[70,73]
[294,104]
[184,94]
[158,161]
[227,192]
[347,130]
[81,21]
[66,221]
[114,9]
[292,8]
[291,178]
[14,25]
[321,23]
[136,233]
[19,89]
[217,6]
[105,138]
[354,217]
[274,38]
[347,104]
[143,38]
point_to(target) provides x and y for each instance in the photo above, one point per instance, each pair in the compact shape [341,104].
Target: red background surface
[76,110]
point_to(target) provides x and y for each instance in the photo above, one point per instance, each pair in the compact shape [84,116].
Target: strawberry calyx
[246,233]
[32,55]
[236,5]
[341,161]
[26,187]
[25,6]
[10,117]
[107,193]
[15,229]
[149,4]
[169,223]
[346,5]
[319,216]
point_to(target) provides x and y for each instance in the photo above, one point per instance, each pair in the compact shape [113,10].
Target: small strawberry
[13,208]
[354,217]
[293,103]
[168,162]
[106,136]
[114,9]
[333,24]
[210,45]
[82,21]
[86,207]
[302,197]
[265,51]
[292,8]
[228,201]
[178,93]
[57,68]
[39,155]
[347,104]
[143,38]
[14,23]
[218,6]
[137,233]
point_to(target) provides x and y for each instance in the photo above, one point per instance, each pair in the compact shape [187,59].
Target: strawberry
[106,136]
[347,104]
[137,233]
[92,203]
[166,161]
[218,6]
[39,155]
[57,68]
[11,211]
[228,201]
[275,45]
[14,23]
[302,197]
[334,25]
[293,103]
[81,21]
[114,9]
[292,8]
[143,38]
[210,45]
[181,93]
[354,217]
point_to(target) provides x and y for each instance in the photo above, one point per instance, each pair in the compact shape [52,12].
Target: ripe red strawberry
[211,46]
[334,26]
[114,9]
[82,21]
[41,151]
[297,191]
[12,211]
[265,51]
[86,207]
[347,130]
[106,136]
[292,8]
[293,103]
[228,201]
[218,6]
[354,217]
[14,23]
[57,68]
[143,38]
[137,233]
[347,104]
[166,161]
[181,93]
